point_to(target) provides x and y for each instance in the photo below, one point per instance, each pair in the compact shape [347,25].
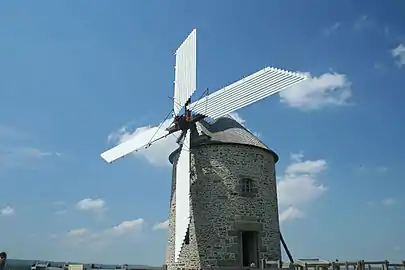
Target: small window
[247,185]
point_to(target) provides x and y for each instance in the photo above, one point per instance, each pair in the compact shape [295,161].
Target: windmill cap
[225,130]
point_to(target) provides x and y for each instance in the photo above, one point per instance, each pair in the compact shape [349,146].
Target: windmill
[251,89]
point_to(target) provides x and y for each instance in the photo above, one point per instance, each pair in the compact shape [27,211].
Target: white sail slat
[246,91]
[182,195]
[185,82]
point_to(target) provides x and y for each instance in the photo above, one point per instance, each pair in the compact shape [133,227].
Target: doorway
[249,248]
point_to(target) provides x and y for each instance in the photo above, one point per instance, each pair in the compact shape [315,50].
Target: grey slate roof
[224,130]
[227,130]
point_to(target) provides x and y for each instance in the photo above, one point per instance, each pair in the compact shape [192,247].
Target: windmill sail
[246,91]
[128,147]
[182,195]
[185,82]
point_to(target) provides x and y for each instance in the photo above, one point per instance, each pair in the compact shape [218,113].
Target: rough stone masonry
[221,209]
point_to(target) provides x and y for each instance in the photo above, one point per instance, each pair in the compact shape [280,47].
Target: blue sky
[74,72]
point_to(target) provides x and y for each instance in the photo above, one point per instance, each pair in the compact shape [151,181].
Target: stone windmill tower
[223,199]
[233,200]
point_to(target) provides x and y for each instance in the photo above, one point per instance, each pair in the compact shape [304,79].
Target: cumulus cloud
[161,226]
[16,153]
[290,213]
[13,157]
[157,154]
[127,227]
[236,116]
[7,211]
[101,238]
[93,205]
[299,185]
[399,54]
[78,232]
[328,89]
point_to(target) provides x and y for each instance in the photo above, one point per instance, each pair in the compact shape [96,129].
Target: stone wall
[220,210]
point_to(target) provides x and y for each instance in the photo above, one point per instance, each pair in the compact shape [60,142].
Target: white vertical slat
[246,91]
[182,195]
[185,82]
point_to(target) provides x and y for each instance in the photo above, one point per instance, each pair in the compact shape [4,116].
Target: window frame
[247,185]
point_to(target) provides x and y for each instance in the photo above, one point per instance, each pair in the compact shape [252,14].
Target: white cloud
[15,153]
[31,152]
[257,134]
[161,226]
[236,116]
[307,167]
[399,54]
[388,201]
[78,232]
[317,92]
[12,157]
[297,157]
[90,239]
[94,205]
[78,236]
[328,31]
[299,186]
[7,211]
[128,227]
[157,154]
[291,213]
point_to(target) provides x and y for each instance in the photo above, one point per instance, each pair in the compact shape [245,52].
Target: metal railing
[319,264]
[314,264]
